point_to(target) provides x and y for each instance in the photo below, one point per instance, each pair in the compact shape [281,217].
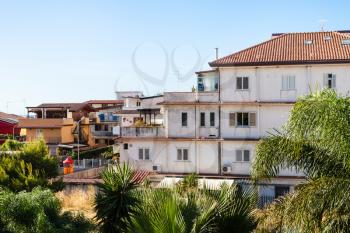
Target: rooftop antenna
[217,53]
[323,24]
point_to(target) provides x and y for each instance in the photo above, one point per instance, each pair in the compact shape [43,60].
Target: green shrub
[37,211]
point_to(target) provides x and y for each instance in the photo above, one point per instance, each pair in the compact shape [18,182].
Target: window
[143,153]
[212,119]
[184,119]
[182,154]
[126,146]
[329,81]
[345,42]
[207,84]
[242,155]
[138,103]
[307,42]
[202,123]
[242,83]
[244,119]
[288,82]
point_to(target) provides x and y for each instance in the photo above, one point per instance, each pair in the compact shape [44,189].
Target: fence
[90,163]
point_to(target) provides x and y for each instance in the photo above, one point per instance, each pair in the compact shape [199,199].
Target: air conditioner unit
[156,168]
[212,136]
[226,169]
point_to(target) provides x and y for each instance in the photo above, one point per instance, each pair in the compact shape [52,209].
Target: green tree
[124,206]
[37,211]
[116,199]
[30,165]
[316,141]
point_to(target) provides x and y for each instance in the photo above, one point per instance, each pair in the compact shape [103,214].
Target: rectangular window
[242,155]
[182,154]
[288,82]
[184,119]
[126,146]
[329,81]
[144,153]
[242,83]
[242,119]
[202,119]
[212,119]
[245,119]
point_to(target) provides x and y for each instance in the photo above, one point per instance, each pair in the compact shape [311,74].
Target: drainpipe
[219,124]
[195,133]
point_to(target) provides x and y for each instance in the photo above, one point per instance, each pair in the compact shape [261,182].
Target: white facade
[219,129]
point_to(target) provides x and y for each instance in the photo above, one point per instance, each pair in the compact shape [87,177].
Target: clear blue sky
[69,51]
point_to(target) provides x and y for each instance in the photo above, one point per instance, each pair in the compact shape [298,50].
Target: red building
[8,125]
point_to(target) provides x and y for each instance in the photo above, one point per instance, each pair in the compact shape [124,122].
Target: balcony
[142,131]
[183,97]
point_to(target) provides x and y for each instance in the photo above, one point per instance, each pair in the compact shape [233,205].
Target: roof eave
[212,64]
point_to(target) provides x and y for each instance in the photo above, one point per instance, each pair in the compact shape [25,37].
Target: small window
[244,119]
[242,155]
[242,83]
[307,42]
[126,146]
[327,38]
[182,154]
[329,81]
[345,42]
[144,153]
[212,119]
[138,103]
[184,119]
[202,120]
[288,82]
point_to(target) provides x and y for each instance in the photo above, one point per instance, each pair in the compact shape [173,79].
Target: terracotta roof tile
[290,48]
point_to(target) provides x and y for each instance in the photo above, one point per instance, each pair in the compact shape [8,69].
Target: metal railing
[142,131]
[90,163]
[102,133]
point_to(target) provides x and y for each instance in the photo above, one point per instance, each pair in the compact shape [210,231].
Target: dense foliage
[25,166]
[122,206]
[37,211]
[316,141]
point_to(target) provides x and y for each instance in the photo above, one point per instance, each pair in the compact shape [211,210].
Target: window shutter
[140,154]
[292,82]
[333,81]
[325,80]
[185,154]
[239,155]
[252,119]
[179,154]
[246,156]
[232,119]
[146,154]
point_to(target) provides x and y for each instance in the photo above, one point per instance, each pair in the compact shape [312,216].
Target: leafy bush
[94,153]
[11,145]
[32,166]
[37,211]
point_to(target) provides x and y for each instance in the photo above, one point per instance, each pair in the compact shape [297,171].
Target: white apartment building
[246,95]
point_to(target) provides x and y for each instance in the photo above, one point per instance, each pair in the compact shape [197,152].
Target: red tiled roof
[10,116]
[290,48]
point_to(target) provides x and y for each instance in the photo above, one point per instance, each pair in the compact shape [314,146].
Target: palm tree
[116,199]
[316,141]
[199,210]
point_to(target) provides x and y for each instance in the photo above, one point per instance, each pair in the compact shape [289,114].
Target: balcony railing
[142,131]
[191,96]
[102,133]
